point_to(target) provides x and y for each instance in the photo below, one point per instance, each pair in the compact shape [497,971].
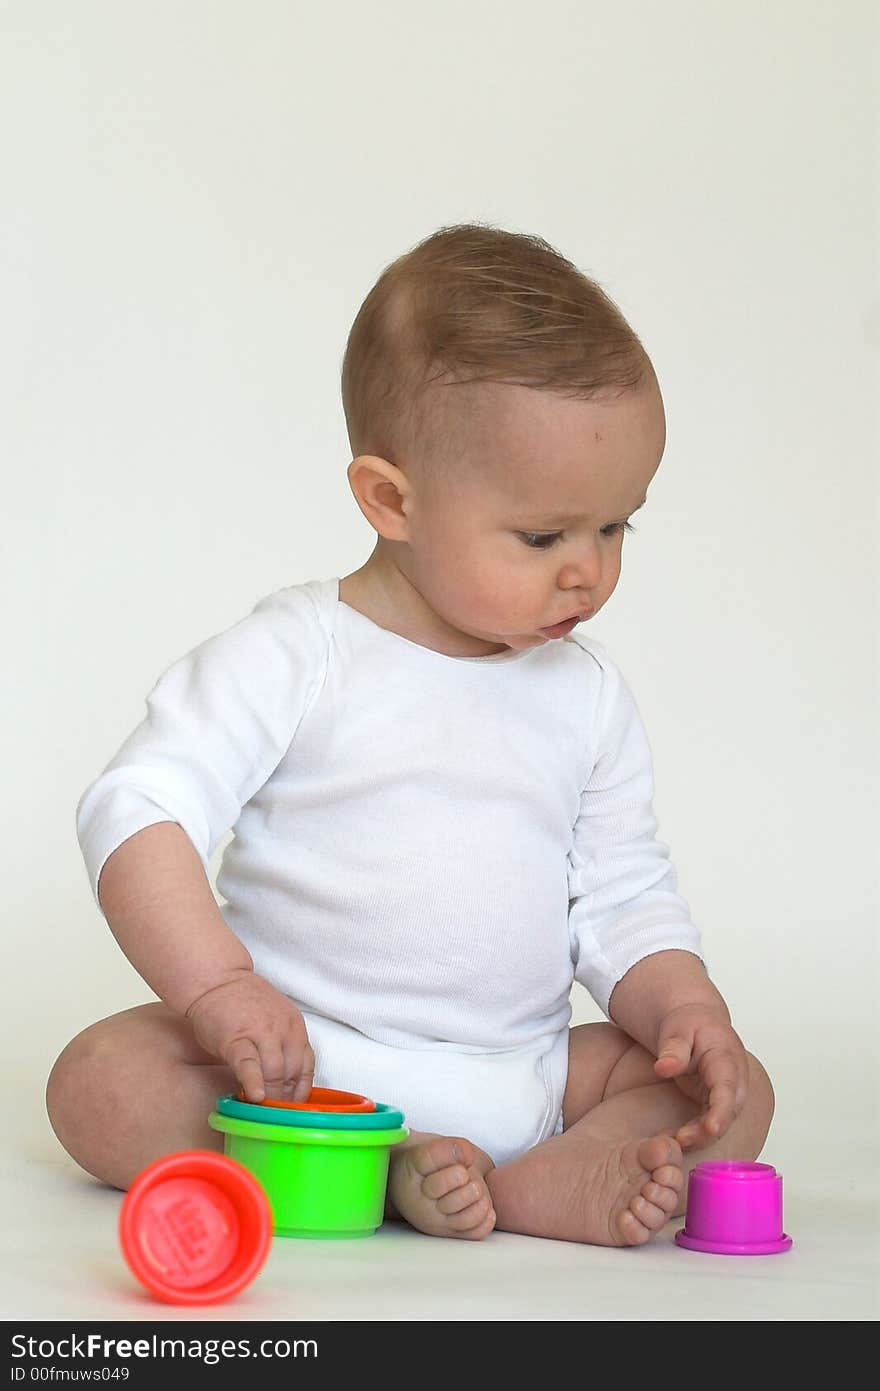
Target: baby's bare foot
[649,1178]
[577,1187]
[437,1183]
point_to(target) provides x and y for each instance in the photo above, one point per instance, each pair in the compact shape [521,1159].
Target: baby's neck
[384,595]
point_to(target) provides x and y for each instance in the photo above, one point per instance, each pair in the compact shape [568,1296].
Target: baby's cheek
[504,598]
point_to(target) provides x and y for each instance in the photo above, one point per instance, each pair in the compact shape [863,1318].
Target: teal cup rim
[383,1118]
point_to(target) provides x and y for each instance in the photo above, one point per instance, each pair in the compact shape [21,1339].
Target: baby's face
[531,532]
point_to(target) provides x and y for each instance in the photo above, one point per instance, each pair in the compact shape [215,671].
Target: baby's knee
[761,1095]
[82,1073]
[97,1084]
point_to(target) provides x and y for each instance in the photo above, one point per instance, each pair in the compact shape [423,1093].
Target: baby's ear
[382,492]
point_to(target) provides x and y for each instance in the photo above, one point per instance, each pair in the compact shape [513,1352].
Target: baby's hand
[260,1034]
[699,1050]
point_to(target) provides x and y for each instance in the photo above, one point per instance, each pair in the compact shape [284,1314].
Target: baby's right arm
[159,906]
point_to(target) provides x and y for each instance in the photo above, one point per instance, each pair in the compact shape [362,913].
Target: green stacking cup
[319,1182]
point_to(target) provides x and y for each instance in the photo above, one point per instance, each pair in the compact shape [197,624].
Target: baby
[441,793]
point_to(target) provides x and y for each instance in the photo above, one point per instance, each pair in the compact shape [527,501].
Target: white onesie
[427,849]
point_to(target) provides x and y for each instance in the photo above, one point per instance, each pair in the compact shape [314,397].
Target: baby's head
[505,423]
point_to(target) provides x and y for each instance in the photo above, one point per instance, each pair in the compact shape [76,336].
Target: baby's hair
[476,303]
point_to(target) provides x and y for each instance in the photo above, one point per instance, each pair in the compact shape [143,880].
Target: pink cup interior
[734,1169]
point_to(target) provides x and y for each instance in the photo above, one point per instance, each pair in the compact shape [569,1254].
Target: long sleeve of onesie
[623,900]
[218,721]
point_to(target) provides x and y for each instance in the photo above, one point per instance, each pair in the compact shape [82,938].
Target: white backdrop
[197,197]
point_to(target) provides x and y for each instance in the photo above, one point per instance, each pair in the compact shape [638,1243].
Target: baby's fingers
[243,1057]
[719,1075]
[727,1094]
[274,1070]
[291,1079]
[673,1057]
[299,1062]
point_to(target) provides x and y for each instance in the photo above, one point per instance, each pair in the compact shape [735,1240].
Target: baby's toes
[632,1231]
[661,1196]
[648,1213]
[669,1176]
[443,1183]
[660,1151]
[477,1218]
[440,1154]
[466,1195]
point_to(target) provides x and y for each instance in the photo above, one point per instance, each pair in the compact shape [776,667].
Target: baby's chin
[519,642]
[514,641]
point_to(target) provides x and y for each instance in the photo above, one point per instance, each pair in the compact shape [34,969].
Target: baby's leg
[132,1088]
[615,1175]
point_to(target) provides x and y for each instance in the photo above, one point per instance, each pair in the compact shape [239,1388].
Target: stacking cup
[195,1227]
[734,1209]
[325,1173]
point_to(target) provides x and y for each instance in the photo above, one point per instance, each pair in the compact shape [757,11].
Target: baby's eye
[540,540]
[543,540]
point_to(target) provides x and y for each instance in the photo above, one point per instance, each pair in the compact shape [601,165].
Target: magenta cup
[734,1209]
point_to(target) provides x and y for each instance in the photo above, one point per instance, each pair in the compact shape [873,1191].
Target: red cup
[195,1227]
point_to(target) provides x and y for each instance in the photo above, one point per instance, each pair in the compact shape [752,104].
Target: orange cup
[321,1099]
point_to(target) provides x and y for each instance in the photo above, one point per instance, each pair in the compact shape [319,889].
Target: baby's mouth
[580,616]
[563,628]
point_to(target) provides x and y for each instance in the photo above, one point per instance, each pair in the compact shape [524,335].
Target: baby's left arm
[668,1004]
[633,943]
